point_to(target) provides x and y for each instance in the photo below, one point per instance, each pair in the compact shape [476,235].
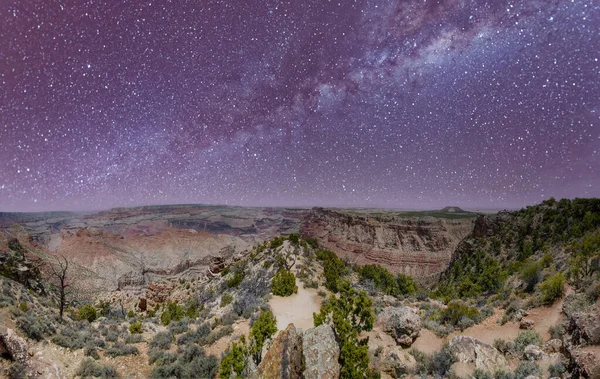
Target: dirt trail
[297,309]
[490,330]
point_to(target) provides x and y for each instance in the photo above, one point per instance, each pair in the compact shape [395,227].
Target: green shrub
[87,312]
[334,269]
[276,242]
[91,351]
[234,359]
[526,337]
[385,280]
[119,349]
[263,328]
[136,327]
[226,299]
[456,311]
[89,368]
[24,307]
[437,365]
[557,370]
[235,280]
[34,327]
[161,340]
[130,314]
[531,274]
[134,338]
[174,312]
[552,289]
[284,283]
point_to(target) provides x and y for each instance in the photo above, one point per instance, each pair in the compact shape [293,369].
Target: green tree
[235,359]
[349,314]
[263,328]
[552,289]
[284,283]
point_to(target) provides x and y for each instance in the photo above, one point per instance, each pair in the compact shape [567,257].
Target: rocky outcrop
[532,353]
[553,346]
[392,360]
[403,323]
[582,340]
[526,324]
[483,356]
[419,247]
[15,347]
[321,353]
[284,357]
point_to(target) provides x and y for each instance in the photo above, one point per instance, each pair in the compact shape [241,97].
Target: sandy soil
[297,309]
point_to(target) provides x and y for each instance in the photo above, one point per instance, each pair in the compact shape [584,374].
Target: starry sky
[389,103]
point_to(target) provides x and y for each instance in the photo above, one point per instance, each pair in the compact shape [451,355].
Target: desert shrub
[192,312]
[510,311]
[263,328]
[457,311]
[322,293]
[556,331]
[234,359]
[161,357]
[593,292]
[201,367]
[437,364]
[70,339]
[284,283]
[194,336]
[87,312]
[385,281]
[174,312]
[276,242]
[162,340]
[226,299]
[216,335]
[173,370]
[557,370]
[112,336]
[503,346]
[531,274]
[131,314]
[33,327]
[178,327]
[118,349]
[89,368]
[526,369]
[136,327]
[134,338]
[350,314]
[91,351]
[235,280]
[438,329]
[17,371]
[552,289]
[526,337]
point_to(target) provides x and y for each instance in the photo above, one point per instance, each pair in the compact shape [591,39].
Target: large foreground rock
[284,357]
[403,323]
[321,353]
[13,345]
[470,350]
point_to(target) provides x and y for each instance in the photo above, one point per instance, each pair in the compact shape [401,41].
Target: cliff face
[421,247]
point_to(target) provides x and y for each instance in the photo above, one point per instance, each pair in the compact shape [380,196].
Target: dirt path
[297,309]
[490,330]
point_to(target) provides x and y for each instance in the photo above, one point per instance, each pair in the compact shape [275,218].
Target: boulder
[284,357]
[392,360]
[13,345]
[520,313]
[321,353]
[526,324]
[585,362]
[584,327]
[532,353]
[483,356]
[552,346]
[403,323]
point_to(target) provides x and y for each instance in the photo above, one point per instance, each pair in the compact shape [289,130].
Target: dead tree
[59,277]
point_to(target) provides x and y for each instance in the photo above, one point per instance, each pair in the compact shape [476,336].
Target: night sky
[400,103]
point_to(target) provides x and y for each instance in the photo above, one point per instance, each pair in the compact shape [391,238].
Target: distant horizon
[390,208]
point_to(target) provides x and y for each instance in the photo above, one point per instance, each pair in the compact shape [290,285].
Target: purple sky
[405,103]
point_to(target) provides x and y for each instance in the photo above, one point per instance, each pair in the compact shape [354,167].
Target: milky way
[408,104]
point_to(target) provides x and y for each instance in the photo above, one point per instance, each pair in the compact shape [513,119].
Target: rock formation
[403,323]
[470,350]
[321,353]
[284,357]
[419,247]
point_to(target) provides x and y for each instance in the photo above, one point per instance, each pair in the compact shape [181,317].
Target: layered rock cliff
[421,247]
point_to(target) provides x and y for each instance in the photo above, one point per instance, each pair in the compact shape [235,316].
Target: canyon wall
[421,247]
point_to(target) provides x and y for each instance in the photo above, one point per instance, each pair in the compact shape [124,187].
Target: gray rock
[392,360]
[526,324]
[403,323]
[520,313]
[552,346]
[470,350]
[321,353]
[532,353]
[15,346]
